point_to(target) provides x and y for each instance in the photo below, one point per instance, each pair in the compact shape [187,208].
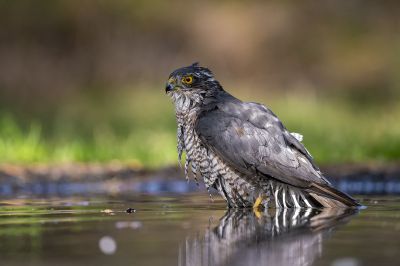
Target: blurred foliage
[83,80]
[115,129]
[124,128]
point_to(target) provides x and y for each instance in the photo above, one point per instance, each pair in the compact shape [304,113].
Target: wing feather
[250,138]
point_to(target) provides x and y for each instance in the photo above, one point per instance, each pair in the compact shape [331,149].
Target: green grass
[339,132]
[139,128]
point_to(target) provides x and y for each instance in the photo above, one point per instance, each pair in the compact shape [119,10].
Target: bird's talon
[257,203]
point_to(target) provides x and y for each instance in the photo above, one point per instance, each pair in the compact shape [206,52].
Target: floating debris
[108,211]
[130,210]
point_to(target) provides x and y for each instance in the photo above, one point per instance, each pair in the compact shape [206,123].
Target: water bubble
[107,245]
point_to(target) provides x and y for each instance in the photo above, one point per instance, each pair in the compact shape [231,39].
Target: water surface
[191,230]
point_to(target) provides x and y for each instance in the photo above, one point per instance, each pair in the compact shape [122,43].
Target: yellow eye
[187,80]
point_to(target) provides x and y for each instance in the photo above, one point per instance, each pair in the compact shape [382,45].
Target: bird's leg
[258,207]
[257,202]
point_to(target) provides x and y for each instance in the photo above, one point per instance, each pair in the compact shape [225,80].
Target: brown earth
[103,172]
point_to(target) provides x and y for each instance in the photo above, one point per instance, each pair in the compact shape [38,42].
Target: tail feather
[330,197]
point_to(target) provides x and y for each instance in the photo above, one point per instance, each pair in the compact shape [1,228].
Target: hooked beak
[169,87]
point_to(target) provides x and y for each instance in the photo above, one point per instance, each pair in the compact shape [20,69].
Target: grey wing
[250,138]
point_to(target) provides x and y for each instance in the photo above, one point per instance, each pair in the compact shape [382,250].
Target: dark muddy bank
[83,179]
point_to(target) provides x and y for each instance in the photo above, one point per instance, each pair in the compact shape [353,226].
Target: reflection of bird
[277,237]
[242,149]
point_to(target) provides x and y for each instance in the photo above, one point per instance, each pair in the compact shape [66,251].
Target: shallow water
[191,230]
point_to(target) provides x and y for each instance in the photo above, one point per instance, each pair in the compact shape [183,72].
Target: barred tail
[330,197]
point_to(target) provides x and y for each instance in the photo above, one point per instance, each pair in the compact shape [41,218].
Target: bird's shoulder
[228,107]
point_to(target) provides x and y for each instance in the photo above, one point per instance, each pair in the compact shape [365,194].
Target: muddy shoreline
[97,171]
[115,178]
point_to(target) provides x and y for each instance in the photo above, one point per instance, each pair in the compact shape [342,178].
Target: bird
[242,149]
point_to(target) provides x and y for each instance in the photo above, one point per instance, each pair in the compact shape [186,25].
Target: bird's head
[189,85]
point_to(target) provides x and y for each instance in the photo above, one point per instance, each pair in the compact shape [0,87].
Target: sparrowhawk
[242,149]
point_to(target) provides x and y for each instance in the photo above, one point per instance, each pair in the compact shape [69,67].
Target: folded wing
[250,138]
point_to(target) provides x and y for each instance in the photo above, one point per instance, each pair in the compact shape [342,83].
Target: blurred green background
[83,81]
